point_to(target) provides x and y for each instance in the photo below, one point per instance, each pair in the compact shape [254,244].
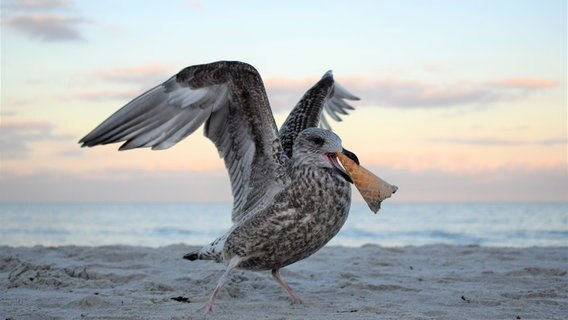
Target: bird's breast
[303,218]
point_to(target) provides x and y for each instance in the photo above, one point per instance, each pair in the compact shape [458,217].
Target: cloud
[553,141]
[528,83]
[46,27]
[102,95]
[410,94]
[147,75]
[284,93]
[134,185]
[132,81]
[116,186]
[6,114]
[501,142]
[36,4]
[510,183]
[15,137]
[193,4]
[75,152]
[45,20]
[402,93]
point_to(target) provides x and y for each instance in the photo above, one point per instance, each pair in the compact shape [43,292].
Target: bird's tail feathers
[212,251]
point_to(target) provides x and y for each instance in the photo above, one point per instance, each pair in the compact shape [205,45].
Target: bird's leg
[291,294]
[208,307]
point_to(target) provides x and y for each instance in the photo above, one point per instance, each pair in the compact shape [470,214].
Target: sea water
[396,224]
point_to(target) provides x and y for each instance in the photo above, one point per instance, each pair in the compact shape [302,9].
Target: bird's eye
[318,141]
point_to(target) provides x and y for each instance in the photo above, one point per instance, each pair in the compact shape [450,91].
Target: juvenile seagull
[290,195]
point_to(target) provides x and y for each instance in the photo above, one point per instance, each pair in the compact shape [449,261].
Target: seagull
[290,194]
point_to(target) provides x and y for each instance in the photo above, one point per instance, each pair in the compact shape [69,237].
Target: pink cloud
[510,183]
[103,95]
[284,93]
[503,184]
[528,83]
[26,125]
[17,103]
[133,81]
[404,93]
[135,74]
[123,185]
[142,76]
[498,142]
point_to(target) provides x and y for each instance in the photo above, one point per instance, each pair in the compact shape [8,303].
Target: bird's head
[319,147]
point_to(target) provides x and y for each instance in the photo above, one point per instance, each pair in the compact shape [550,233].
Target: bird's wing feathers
[325,95]
[229,97]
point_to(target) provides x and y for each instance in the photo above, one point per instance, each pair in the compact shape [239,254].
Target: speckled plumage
[290,194]
[300,220]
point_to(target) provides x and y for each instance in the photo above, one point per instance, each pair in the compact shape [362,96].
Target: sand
[371,282]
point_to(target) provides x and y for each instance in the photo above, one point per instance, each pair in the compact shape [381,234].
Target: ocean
[396,224]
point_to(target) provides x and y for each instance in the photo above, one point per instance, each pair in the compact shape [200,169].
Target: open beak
[351,155]
[333,160]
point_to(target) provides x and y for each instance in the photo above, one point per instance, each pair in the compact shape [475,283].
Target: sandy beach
[371,282]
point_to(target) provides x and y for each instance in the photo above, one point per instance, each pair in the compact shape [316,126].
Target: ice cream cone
[373,189]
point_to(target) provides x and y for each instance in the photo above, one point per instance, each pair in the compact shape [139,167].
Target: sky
[460,100]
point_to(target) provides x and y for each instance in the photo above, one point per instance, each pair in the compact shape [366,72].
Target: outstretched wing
[229,97]
[325,95]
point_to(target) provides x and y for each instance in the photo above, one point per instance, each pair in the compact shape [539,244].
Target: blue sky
[462,100]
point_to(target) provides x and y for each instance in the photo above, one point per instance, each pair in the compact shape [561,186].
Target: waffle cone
[373,189]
